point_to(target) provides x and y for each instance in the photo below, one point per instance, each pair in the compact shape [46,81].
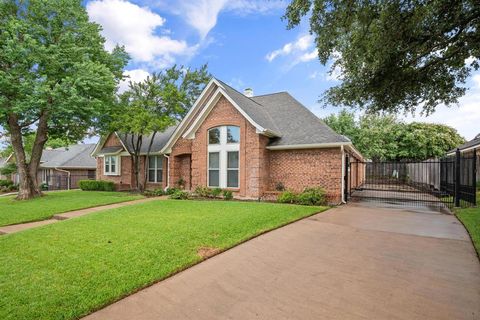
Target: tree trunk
[27,187]
[136,160]
[146,159]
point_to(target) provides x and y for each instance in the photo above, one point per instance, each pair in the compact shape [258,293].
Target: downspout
[343,174]
[168,171]
[68,174]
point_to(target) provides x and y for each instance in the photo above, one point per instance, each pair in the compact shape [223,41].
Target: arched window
[223,157]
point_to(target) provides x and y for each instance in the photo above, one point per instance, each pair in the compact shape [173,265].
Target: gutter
[343,175]
[168,171]
[310,146]
[68,173]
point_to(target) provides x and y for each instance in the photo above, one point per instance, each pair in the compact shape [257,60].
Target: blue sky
[245,44]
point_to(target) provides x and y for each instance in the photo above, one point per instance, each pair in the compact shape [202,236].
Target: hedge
[96,185]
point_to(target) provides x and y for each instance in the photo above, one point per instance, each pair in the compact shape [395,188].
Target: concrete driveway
[352,262]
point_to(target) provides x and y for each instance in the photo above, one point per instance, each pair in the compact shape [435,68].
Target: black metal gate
[446,182]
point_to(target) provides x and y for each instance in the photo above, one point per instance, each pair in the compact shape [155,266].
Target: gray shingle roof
[110,150]
[475,142]
[74,156]
[158,142]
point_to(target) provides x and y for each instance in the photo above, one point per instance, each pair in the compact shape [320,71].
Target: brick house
[252,145]
[470,147]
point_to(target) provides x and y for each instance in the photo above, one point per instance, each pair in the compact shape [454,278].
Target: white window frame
[106,168]
[222,149]
[156,169]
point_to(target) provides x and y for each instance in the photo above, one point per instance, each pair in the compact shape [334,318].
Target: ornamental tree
[56,78]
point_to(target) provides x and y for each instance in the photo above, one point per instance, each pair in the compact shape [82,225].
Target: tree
[394,56]
[153,105]
[56,78]
[386,138]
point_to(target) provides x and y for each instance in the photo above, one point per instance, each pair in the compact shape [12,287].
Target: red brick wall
[298,169]
[253,173]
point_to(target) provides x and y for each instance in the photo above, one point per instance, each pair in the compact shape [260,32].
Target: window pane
[151,175]
[159,175]
[159,162]
[151,162]
[233,134]
[213,178]
[107,161]
[112,168]
[232,178]
[113,160]
[214,160]
[214,136]
[232,160]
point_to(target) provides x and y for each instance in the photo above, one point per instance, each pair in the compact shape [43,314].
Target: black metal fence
[446,182]
[65,181]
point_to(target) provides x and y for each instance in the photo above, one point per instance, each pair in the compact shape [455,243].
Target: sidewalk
[71,214]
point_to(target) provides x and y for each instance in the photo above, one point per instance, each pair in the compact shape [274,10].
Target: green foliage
[179,195]
[394,56]
[44,186]
[312,197]
[309,197]
[171,191]
[279,186]
[227,195]
[96,185]
[287,197]
[7,186]
[6,183]
[216,192]
[203,192]
[385,137]
[154,193]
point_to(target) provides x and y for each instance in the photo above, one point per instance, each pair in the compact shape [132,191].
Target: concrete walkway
[71,214]
[352,262]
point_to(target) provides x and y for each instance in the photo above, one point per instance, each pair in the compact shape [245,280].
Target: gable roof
[469,145]
[74,156]
[296,124]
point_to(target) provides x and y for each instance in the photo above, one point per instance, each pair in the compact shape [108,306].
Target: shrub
[96,185]
[181,183]
[312,197]
[287,197]
[279,186]
[478,185]
[179,195]
[171,191]
[6,183]
[227,195]
[216,192]
[44,187]
[203,192]
[154,193]
[309,197]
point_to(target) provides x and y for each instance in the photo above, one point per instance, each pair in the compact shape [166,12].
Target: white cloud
[476,80]
[136,75]
[135,27]
[298,48]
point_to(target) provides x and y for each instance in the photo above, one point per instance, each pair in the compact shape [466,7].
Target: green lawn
[13,211]
[471,219]
[71,268]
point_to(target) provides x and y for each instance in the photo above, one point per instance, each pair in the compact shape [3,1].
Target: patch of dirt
[207,252]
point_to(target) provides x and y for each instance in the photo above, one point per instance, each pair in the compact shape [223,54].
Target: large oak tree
[394,55]
[56,78]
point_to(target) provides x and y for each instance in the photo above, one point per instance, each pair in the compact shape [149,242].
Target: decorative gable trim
[101,143]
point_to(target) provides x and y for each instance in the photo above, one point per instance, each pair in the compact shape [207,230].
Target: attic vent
[248,92]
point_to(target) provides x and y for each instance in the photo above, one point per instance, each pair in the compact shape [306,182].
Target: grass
[14,211]
[69,269]
[470,218]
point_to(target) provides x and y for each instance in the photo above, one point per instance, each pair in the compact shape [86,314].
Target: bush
[216,192]
[309,197]
[312,197]
[44,187]
[96,185]
[154,193]
[279,186]
[287,197]
[6,183]
[227,195]
[203,192]
[179,195]
[478,185]
[171,191]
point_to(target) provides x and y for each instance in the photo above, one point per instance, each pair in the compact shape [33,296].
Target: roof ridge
[270,94]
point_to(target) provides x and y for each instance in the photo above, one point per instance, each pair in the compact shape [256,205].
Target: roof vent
[248,92]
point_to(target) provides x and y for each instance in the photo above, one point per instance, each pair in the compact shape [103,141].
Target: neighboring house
[252,145]
[3,162]
[469,147]
[62,168]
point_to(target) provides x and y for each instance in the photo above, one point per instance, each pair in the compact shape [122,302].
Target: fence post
[457,178]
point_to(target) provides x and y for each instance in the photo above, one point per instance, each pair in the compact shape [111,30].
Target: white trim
[155,169]
[466,149]
[118,165]
[223,148]
[310,146]
[168,172]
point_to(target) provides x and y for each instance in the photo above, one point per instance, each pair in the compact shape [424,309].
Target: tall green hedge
[96,185]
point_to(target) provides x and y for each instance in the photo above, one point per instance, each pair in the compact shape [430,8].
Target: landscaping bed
[470,217]
[14,211]
[72,268]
